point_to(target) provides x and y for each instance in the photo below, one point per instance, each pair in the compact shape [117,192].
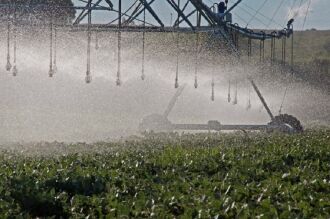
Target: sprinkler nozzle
[51,73]
[196,83]
[15,71]
[8,66]
[176,85]
[88,78]
[118,82]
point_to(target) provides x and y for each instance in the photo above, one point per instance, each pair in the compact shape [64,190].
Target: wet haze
[35,107]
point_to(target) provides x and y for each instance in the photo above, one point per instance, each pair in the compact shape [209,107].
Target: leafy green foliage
[166,176]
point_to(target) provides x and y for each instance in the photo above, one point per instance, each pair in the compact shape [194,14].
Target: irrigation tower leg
[262,99]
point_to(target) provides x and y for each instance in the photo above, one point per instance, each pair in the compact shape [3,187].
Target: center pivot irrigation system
[193,16]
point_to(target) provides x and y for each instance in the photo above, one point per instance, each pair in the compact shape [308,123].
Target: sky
[258,14]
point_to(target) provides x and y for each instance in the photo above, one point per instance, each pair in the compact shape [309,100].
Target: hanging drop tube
[88,78]
[212,84]
[51,72]
[14,70]
[118,81]
[143,44]
[176,85]
[8,65]
[235,97]
[229,95]
[55,51]
[196,60]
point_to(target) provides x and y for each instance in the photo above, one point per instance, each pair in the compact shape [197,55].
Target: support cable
[249,13]
[306,14]
[257,11]
[291,8]
[275,12]
[262,15]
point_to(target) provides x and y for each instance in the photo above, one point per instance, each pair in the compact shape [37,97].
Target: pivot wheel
[290,120]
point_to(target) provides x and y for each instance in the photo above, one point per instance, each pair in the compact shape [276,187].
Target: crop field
[170,176]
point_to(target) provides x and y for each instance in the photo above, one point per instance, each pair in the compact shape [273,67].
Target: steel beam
[262,99]
[152,12]
[83,14]
[181,14]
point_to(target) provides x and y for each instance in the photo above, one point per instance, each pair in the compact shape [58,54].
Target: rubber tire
[290,120]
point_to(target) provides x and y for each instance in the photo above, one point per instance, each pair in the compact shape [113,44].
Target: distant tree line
[35,11]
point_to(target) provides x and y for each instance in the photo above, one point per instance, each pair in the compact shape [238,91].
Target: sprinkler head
[118,82]
[143,77]
[176,85]
[51,73]
[196,85]
[229,99]
[15,71]
[88,78]
[8,66]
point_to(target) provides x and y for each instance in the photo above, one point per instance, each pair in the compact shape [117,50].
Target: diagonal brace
[151,11]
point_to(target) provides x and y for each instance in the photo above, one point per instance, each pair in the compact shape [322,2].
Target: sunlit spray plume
[299,11]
